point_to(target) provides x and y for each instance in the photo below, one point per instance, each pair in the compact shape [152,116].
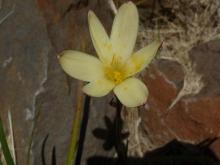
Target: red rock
[194,118]
[162,92]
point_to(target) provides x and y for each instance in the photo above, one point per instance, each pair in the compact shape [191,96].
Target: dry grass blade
[12,146]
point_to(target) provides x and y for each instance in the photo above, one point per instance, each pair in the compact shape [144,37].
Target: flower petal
[81,66]
[100,38]
[98,88]
[142,58]
[124,30]
[131,92]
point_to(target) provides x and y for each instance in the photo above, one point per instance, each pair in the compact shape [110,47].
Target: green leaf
[4,146]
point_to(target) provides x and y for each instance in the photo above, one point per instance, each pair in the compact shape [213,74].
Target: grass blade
[75,128]
[4,145]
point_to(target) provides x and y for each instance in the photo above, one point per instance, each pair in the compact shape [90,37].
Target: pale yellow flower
[117,63]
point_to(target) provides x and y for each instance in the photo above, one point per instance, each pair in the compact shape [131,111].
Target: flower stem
[120,147]
[83,129]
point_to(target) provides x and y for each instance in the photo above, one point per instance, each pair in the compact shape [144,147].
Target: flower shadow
[173,153]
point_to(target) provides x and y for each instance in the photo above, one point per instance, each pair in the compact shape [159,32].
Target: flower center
[114,75]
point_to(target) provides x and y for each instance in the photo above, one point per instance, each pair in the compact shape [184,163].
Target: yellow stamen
[114,75]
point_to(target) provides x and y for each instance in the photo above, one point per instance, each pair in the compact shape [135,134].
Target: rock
[163,85]
[67,27]
[195,117]
[23,68]
[206,61]
[34,88]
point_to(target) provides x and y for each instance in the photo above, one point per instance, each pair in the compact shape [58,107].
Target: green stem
[4,146]
[75,130]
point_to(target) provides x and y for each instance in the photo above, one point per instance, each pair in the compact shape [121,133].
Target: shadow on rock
[173,153]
